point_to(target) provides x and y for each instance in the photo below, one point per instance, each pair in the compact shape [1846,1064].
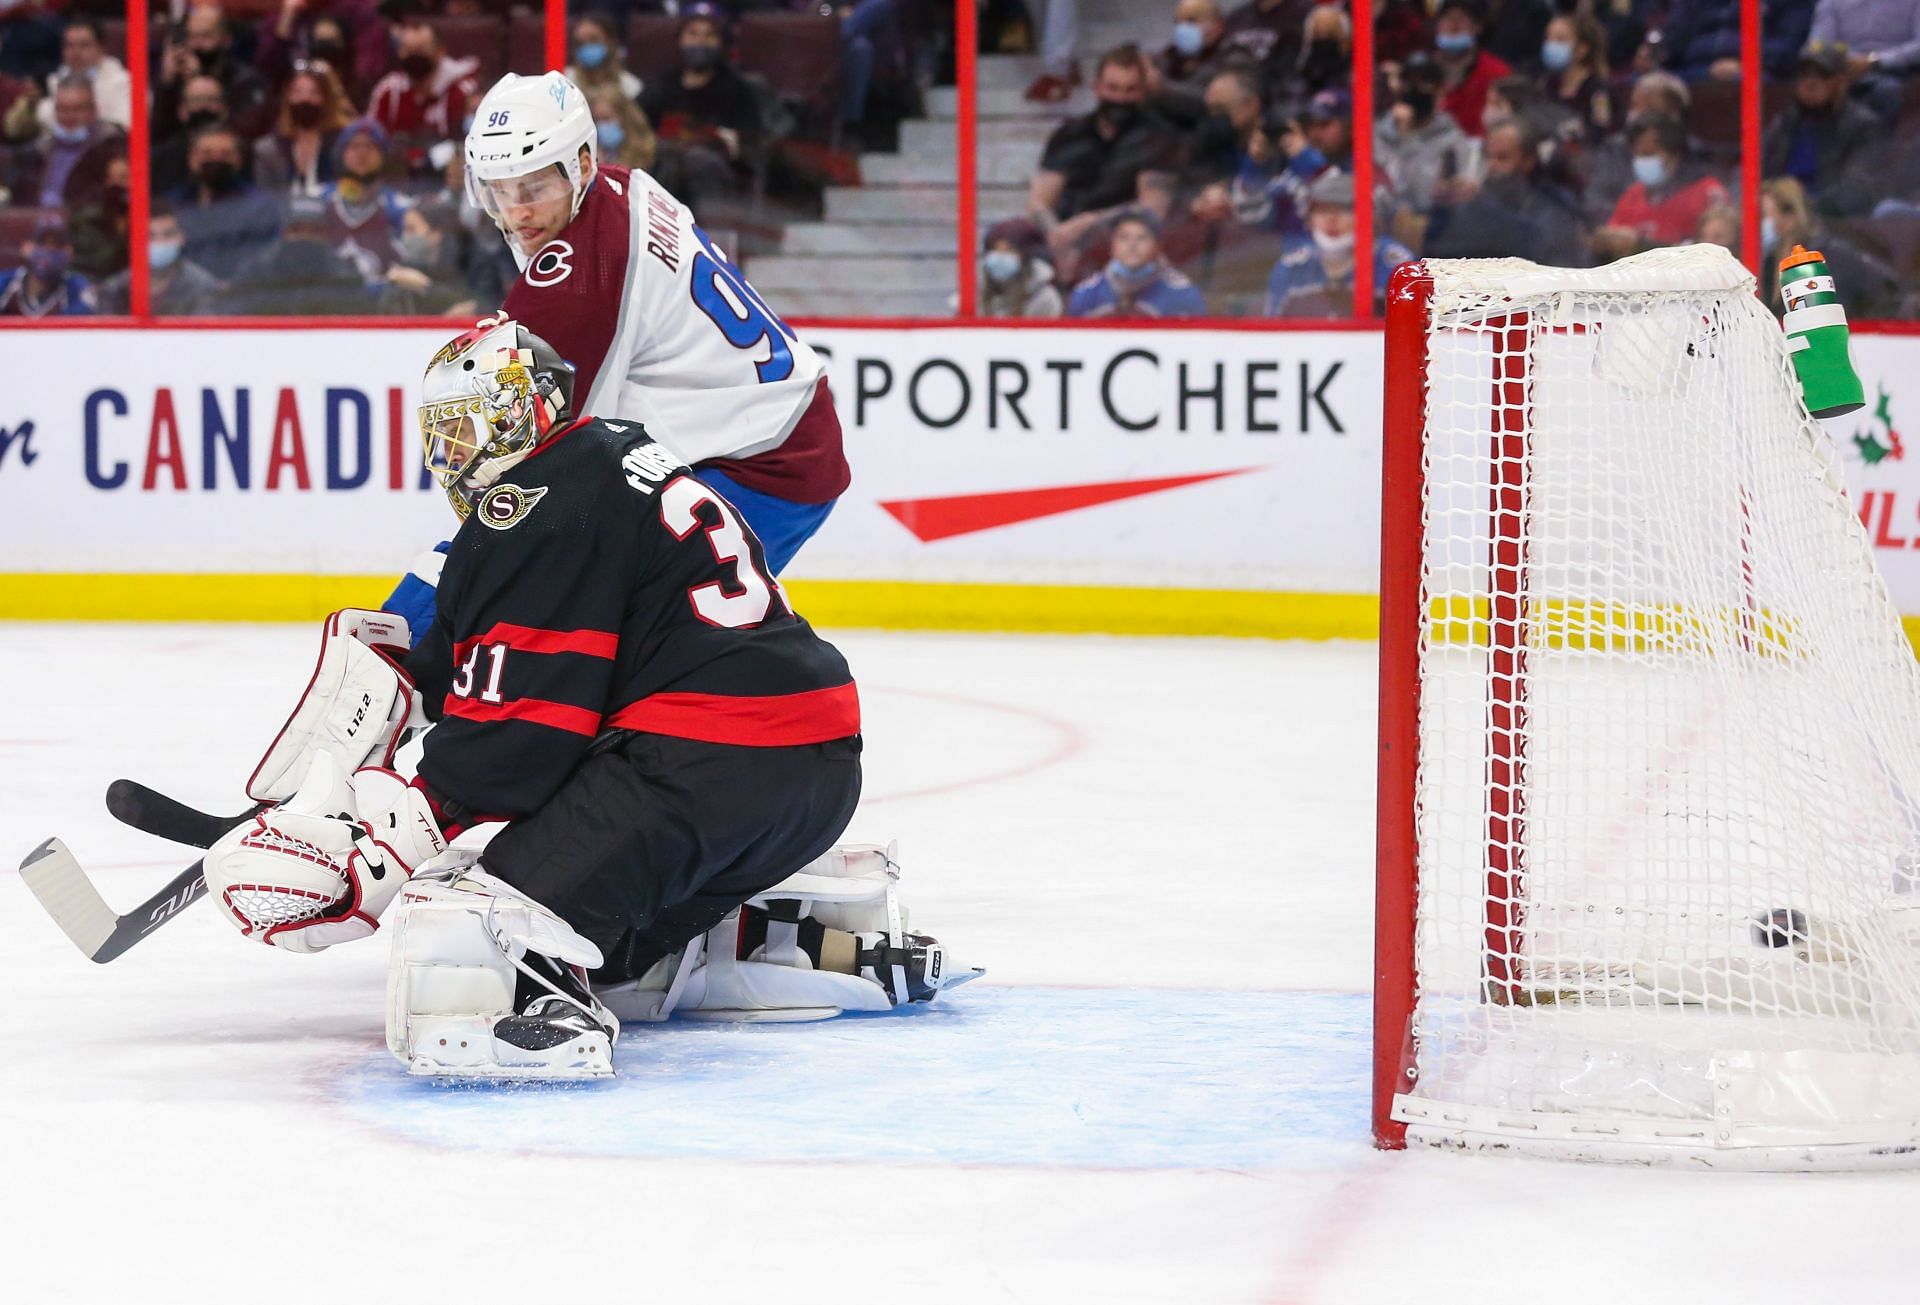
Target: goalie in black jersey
[615,675]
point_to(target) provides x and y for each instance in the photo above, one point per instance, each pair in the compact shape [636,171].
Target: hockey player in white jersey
[659,326]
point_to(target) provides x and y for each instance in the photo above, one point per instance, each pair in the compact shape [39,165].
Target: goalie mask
[489,398]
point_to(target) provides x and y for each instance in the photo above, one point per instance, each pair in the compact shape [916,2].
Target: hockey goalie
[639,762]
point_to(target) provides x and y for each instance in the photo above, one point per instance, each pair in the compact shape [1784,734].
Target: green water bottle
[1816,327]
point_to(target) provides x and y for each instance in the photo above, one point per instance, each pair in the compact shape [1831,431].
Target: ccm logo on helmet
[551,265]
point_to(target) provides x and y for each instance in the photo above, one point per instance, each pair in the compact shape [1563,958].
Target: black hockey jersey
[600,586]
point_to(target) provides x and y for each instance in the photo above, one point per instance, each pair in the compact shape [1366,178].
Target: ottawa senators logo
[505,506]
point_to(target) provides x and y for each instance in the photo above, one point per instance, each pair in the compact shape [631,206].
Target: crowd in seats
[1568,132]
[305,154]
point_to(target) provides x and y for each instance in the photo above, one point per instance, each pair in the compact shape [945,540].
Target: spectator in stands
[1329,128]
[1866,286]
[177,286]
[45,284]
[85,58]
[1232,113]
[1400,28]
[1059,43]
[225,219]
[626,137]
[1417,144]
[1821,138]
[1095,165]
[297,156]
[1882,39]
[705,115]
[364,212]
[1668,197]
[349,36]
[29,41]
[1512,30]
[303,274]
[429,94]
[200,103]
[99,227]
[598,59]
[1016,280]
[1574,55]
[1701,38]
[1467,70]
[1326,57]
[1314,274]
[427,280]
[73,151]
[1719,226]
[1136,282]
[1513,212]
[202,45]
[1178,78]
[1267,34]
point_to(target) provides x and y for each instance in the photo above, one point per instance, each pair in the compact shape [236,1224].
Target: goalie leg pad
[354,708]
[484,982]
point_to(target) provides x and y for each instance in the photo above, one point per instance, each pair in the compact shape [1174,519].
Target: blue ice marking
[1055,1077]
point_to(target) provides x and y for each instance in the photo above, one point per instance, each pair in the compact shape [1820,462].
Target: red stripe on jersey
[535,711]
[786,720]
[531,638]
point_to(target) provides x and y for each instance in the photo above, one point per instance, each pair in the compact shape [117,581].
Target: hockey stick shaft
[55,877]
[155,813]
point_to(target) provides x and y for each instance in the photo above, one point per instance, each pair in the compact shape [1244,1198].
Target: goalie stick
[56,878]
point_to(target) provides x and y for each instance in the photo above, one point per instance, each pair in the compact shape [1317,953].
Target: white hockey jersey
[661,328]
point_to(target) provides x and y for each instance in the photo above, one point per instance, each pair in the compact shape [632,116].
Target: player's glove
[321,868]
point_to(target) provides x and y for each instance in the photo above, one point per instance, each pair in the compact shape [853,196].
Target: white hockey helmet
[490,396]
[527,126]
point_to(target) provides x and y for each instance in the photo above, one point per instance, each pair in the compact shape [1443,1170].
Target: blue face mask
[1557,54]
[1453,42]
[1002,265]
[1133,275]
[1188,38]
[612,135]
[590,54]
[1769,233]
[1649,169]
[162,253]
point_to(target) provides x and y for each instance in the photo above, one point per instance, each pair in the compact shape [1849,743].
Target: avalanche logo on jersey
[505,506]
[551,266]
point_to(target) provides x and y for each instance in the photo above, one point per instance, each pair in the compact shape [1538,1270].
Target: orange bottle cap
[1801,255]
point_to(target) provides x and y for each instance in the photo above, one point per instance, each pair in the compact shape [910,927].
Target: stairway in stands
[886,247]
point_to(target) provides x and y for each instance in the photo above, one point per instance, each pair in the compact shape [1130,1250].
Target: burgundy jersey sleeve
[570,294]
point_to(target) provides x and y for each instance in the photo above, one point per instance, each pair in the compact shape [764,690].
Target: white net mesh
[1668,809]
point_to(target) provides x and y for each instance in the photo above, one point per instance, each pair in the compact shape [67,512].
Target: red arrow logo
[963,514]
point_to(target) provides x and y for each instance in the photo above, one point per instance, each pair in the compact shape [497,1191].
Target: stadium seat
[653,46]
[113,37]
[798,55]
[481,37]
[526,44]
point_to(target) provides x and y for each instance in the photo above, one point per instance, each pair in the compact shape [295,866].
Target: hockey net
[1650,735]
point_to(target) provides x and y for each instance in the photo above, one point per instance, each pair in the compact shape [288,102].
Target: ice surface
[1161,850]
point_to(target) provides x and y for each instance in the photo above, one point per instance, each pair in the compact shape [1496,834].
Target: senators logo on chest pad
[505,506]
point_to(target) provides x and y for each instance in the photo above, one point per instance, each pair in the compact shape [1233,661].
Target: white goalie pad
[459,951]
[354,708]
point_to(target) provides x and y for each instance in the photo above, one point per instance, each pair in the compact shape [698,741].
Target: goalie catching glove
[321,868]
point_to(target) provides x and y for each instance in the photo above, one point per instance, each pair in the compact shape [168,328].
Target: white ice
[1161,850]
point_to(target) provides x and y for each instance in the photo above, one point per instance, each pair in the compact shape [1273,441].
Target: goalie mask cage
[1649,782]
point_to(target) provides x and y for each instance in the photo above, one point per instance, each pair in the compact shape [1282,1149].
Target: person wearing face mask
[598,60]
[1417,144]
[1867,287]
[201,45]
[297,157]
[307,272]
[1137,281]
[200,103]
[626,137]
[100,225]
[705,115]
[1120,155]
[1467,70]
[364,212]
[1668,196]
[1313,276]
[1326,56]
[429,94]
[1016,280]
[176,286]
[1573,56]
[349,36]
[1182,71]
[1824,140]
[45,284]
[84,57]
[427,280]
[1513,211]
[72,154]
[225,218]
